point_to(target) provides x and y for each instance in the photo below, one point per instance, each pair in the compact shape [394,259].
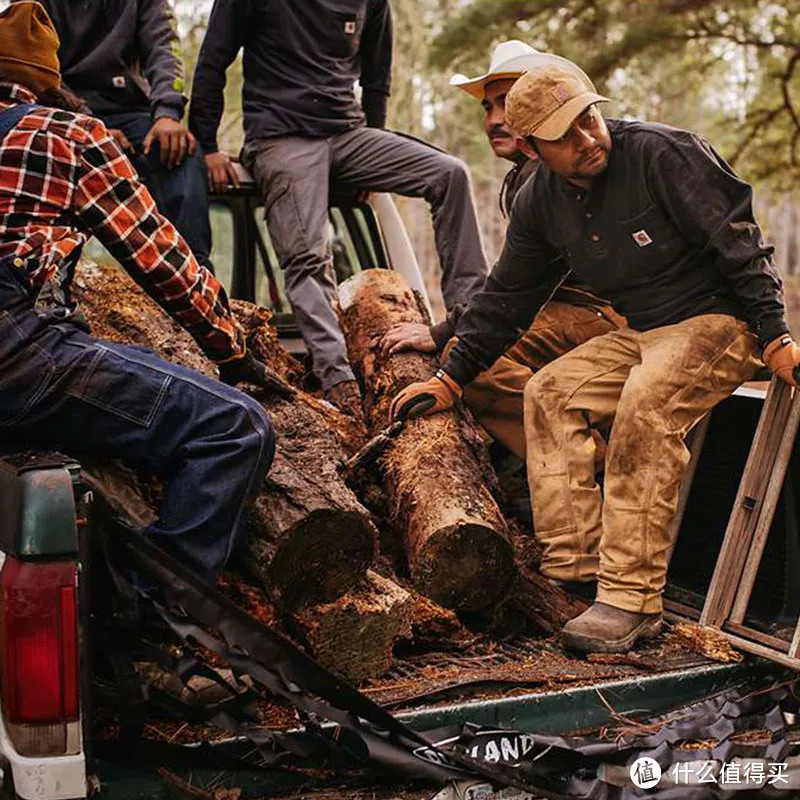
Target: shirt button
[18,262]
[588,215]
[595,237]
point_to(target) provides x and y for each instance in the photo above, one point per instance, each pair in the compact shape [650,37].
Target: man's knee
[258,434]
[451,174]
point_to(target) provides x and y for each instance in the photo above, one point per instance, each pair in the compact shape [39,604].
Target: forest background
[727,69]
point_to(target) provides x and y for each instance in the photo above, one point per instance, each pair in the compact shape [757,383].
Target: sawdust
[705,641]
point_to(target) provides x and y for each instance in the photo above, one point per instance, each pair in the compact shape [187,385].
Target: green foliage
[727,68]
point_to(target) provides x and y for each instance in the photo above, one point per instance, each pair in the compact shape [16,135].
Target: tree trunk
[308,540]
[455,537]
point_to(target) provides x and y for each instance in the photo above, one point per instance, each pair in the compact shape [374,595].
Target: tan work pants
[495,397]
[654,386]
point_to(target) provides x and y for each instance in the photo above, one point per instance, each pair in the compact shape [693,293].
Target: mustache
[499,132]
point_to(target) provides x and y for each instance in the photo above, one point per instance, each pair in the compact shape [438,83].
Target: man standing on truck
[303,124]
[63,178]
[573,314]
[654,219]
[124,60]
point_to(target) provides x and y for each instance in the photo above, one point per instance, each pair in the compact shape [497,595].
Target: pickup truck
[46,613]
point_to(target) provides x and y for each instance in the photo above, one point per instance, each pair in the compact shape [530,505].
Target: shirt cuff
[770,328]
[442,333]
[163,110]
[374,104]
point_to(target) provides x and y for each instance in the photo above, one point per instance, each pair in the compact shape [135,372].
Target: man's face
[501,139]
[581,153]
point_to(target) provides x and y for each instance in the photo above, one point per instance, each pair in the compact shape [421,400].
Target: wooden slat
[776,475]
[730,564]
[781,645]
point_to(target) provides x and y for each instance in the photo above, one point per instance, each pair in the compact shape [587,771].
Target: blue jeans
[180,193]
[212,445]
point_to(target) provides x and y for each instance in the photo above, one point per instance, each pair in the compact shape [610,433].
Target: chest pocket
[342,27]
[647,243]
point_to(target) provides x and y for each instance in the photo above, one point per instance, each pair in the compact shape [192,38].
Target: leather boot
[606,629]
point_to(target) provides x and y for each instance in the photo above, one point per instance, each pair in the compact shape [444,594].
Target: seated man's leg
[685,370]
[495,397]
[564,403]
[293,175]
[211,444]
[180,193]
[378,160]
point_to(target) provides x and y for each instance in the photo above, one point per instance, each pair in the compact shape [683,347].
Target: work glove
[782,357]
[427,397]
[248,369]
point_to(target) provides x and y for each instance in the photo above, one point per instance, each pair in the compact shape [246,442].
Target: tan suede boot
[606,629]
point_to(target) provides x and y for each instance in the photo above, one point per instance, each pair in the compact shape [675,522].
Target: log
[545,606]
[308,540]
[455,537]
[354,635]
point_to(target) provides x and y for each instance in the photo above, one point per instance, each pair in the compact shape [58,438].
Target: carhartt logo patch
[118,81]
[642,238]
[350,27]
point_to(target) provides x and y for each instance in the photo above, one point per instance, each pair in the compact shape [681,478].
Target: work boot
[346,396]
[607,629]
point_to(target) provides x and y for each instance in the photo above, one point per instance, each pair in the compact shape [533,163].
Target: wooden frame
[746,535]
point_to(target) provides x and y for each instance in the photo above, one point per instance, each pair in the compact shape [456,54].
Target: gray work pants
[293,174]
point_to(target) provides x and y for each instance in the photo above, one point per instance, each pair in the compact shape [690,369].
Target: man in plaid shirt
[62,179]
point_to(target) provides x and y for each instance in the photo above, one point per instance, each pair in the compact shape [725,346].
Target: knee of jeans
[260,436]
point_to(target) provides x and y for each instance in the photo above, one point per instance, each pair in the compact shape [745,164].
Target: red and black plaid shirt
[63,179]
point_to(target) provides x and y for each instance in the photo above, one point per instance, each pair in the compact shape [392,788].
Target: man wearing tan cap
[63,179]
[652,218]
[571,317]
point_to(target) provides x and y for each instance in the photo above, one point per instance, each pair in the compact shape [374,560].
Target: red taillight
[39,642]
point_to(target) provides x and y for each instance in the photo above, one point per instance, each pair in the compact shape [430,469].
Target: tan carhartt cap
[546,100]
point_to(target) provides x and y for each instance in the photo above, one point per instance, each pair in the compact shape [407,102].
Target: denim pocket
[114,382]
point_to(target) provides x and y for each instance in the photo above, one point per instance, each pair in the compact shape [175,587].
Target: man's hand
[175,141]
[408,336]
[122,140]
[415,400]
[221,172]
[248,369]
[782,357]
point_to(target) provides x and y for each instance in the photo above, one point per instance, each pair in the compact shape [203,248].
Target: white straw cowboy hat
[510,60]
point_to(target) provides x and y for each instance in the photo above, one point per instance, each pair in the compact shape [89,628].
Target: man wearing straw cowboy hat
[654,219]
[572,316]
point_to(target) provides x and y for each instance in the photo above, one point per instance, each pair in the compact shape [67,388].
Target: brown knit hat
[29,47]
[546,100]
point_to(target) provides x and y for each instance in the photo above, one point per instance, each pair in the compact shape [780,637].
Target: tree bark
[455,537]
[308,540]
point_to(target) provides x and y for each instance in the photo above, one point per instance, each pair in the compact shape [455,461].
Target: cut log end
[323,557]
[468,566]
[354,635]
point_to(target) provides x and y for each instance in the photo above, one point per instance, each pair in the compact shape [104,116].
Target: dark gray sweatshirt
[301,60]
[121,55]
